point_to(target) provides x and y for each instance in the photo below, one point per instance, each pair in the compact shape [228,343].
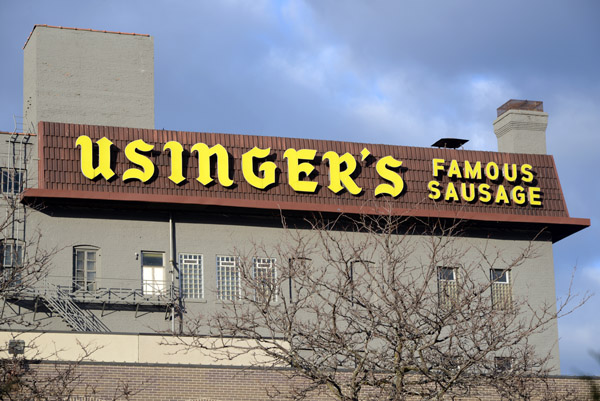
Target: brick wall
[99,382]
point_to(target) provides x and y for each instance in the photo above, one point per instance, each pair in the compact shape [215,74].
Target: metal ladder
[16,174]
[60,302]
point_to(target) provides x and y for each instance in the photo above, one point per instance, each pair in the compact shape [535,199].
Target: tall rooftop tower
[85,76]
[521,127]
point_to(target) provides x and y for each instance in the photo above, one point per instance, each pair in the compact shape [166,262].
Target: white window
[447,286]
[228,278]
[265,277]
[191,274]
[85,268]
[12,253]
[501,289]
[12,180]
[11,258]
[153,273]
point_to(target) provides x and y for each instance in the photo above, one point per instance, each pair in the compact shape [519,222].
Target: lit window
[85,268]
[12,180]
[501,289]
[153,273]
[228,278]
[265,276]
[447,286]
[190,267]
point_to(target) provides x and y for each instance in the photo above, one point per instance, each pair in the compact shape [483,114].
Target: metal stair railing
[60,302]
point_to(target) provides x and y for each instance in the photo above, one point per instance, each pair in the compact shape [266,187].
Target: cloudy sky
[395,72]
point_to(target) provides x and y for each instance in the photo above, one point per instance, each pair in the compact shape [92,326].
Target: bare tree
[27,372]
[387,308]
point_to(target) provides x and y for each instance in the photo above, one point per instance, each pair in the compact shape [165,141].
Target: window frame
[293,264]
[7,179]
[270,281]
[76,286]
[447,287]
[13,244]
[154,290]
[183,272]
[228,293]
[503,364]
[503,273]
[11,271]
[501,291]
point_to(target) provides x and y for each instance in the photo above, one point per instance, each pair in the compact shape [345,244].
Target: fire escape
[60,296]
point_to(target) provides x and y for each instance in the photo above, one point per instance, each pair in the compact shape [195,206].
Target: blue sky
[397,72]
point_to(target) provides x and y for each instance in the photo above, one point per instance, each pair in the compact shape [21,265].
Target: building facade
[144,227]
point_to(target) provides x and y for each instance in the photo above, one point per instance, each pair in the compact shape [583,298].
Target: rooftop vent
[450,143]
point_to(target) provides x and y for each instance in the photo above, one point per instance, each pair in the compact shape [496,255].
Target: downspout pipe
[172,264]
[175,270]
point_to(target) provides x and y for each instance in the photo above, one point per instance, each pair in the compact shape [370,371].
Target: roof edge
[80,29]
[567,225]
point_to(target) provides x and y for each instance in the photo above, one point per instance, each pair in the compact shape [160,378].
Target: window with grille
[191,273]
[265,276]
[228,278]
[12,180]
[447,286]
[501,289]
[85,268]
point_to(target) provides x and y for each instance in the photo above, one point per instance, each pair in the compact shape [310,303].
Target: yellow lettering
[535,196]
[295,169]
[518,195]
[510,172]
[501,195]
[87,157]
[451,194]
[454,170]
[472,173]
[144,162]
[527,173]
[438,166]
[434,190]
[267,168]
[463,190]
[176,151]
[204,155]
[397,182]
[485,195]
[338,178]
[492,171]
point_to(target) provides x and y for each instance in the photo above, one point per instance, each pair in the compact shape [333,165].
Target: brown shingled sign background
[60,171]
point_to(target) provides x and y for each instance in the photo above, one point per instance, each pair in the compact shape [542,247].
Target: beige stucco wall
[126,348]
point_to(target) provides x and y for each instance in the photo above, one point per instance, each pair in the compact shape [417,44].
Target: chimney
[91,77]
[521,127]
